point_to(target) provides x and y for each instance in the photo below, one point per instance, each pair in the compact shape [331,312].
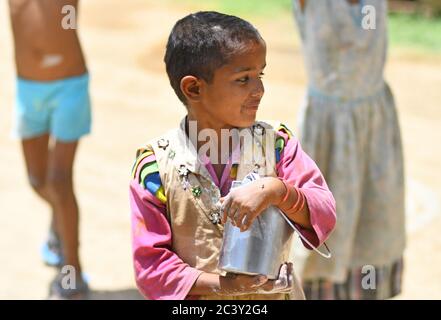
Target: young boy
[215,63]
[52,106]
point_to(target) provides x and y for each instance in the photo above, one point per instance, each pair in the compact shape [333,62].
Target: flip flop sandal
[51,251]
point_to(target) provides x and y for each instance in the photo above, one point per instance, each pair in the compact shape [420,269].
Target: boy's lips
[252,105]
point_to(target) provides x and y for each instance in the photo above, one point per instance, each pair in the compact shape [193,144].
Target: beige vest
[192,198]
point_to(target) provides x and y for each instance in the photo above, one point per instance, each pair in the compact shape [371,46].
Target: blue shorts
[60,108]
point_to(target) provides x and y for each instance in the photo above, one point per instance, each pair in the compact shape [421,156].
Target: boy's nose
[258,90]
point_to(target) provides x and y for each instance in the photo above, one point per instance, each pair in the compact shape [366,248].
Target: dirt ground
[132,100]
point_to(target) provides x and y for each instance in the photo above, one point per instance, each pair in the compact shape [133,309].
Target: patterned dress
[349,126]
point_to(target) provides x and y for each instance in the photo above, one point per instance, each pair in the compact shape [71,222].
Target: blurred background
[124,43]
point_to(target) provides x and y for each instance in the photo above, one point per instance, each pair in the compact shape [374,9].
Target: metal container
[259,250]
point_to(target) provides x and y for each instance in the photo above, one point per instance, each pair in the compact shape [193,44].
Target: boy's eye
[243,79]
[246,78]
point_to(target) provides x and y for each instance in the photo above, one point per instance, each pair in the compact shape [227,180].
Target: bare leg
[36,152]
[60,189]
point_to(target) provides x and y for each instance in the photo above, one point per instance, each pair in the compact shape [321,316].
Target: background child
[215,63]
[350,127]
[52,114]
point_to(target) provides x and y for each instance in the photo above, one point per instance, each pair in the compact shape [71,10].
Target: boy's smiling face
[233,96]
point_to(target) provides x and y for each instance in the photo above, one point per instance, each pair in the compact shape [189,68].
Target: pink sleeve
[160,273]
[299,170]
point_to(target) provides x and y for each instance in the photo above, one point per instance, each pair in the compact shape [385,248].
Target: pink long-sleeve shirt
[159,272]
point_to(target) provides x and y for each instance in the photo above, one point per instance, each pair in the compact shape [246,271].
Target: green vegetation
[414,31]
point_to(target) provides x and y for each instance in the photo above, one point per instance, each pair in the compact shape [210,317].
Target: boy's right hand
[236,284]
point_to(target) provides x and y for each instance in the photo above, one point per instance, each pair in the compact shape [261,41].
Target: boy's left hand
[243,204]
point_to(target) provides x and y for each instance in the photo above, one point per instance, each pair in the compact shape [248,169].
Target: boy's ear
[190,87]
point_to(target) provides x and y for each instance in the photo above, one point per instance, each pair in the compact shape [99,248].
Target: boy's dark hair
[202,42]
